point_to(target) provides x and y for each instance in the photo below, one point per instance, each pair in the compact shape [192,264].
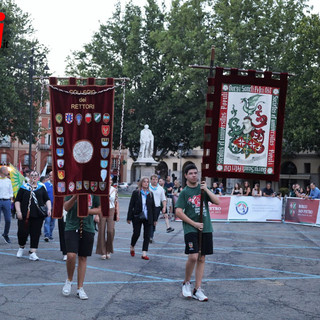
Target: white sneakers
[20,252]
[33,256]
[197,293]
[81,294]
[66,290]
[186,290]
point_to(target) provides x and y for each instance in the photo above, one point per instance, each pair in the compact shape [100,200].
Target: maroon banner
[82,127]
[221,211]
[244,127]
[301,210]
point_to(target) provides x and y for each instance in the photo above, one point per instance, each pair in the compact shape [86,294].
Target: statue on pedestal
[146,143]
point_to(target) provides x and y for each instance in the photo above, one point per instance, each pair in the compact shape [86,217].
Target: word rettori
[5,44]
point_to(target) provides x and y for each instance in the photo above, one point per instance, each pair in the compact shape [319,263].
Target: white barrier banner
[253,209]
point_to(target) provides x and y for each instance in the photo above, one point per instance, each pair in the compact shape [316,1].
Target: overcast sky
[65,25]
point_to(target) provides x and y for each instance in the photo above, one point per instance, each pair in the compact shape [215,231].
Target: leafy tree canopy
[154,46]
[16,72]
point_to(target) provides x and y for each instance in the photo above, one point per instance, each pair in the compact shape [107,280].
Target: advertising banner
[251,209]
[302,211]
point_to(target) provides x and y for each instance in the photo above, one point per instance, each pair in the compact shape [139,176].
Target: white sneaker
[20,252]
[64,258]
[81,294]
[199,295]
[66,290]
[33,256]
[186,290]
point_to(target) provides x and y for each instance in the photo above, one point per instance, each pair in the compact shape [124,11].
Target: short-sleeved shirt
[23,197]
[189,201]
[159,195]
[72,219]
[267,191]
[167,186]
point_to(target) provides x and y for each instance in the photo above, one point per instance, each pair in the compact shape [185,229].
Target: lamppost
[31,107]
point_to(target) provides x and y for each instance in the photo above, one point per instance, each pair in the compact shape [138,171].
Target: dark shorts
[82,246]
[192,243]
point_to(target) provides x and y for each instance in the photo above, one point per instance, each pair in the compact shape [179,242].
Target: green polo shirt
[189,202]
[73,221]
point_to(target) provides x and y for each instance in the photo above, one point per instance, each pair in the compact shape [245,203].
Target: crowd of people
[309,192]
[153,196]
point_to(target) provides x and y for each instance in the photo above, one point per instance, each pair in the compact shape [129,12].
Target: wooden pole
[203,178]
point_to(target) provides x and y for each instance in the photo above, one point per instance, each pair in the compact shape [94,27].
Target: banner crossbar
[196,66]
[80,78]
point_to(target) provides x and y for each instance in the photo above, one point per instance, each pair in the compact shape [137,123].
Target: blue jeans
[48,226]
[5,207]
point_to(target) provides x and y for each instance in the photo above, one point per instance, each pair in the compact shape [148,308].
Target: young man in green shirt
[188,210]
[79,238]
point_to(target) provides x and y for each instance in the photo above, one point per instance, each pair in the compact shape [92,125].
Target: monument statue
[146,143]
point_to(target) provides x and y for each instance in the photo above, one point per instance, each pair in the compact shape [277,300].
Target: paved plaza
[258,271]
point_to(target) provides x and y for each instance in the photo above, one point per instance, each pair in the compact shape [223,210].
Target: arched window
[288,167]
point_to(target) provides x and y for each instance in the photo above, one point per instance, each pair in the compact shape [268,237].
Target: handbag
[42,210]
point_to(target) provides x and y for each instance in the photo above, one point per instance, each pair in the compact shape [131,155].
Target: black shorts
[192,243]
[82,246]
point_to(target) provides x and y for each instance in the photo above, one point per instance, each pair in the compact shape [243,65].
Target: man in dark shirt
[168,187]
[268,191]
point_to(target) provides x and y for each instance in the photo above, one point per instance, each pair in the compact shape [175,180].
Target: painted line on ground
[235,265]
[95,268]
[4,285]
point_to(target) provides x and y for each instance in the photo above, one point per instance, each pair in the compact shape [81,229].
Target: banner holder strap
[196,66]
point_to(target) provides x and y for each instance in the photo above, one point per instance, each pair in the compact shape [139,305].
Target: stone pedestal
[144,167]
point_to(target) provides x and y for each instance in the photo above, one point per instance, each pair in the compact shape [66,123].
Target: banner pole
[203,178]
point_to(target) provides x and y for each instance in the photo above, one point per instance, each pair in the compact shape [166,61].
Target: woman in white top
[256,192]
[106,229]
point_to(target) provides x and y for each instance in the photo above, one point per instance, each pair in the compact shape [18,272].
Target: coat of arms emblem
[105,130]
[94,186]
[69,118]
[97,117]
[247,139]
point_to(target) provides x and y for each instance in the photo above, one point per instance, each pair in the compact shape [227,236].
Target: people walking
[106,225]
[188,210]
[29,214]
[6,196]
[160,203]
[49,222]
[79,237]
[141,211]
[165,214]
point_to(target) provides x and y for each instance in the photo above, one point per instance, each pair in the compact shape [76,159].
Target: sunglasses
[33,175]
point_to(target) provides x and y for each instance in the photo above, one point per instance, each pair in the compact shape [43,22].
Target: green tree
[16,73]
[302,121]
[164,92]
